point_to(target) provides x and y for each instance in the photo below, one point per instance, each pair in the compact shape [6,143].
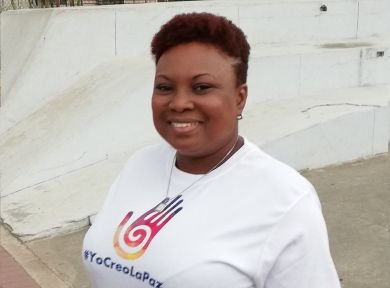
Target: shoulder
[149,162]
[298,245]
[152,154]
[146,163]
[154,150]
[278,180]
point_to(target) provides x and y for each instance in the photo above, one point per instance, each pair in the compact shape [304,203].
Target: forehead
[195,57]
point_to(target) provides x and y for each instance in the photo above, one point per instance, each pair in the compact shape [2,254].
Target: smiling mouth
[182,127]
[184,124]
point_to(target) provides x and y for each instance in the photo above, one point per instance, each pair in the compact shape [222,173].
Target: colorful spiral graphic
[140,233]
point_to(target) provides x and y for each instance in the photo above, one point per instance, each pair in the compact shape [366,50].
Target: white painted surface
[57,188]
[297,21]
[75,95]
[126,31]
[375,70]
[56,58]
[374,19]
[24,37]
[334,141]
[86,124]
[354,120]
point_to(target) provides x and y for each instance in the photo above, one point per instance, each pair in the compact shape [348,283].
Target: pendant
[162,205]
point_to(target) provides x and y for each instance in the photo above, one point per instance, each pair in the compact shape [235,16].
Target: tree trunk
[13,4]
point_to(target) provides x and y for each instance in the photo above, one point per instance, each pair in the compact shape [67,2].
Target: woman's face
[196,100]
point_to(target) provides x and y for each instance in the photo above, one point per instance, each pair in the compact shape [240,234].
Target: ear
[242,93]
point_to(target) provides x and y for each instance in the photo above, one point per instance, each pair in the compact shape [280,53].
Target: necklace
[164,203]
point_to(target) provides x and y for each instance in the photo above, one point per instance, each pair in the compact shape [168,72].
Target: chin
[188,148]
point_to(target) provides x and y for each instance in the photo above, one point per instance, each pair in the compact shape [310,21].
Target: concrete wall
[76,87]
[58,46]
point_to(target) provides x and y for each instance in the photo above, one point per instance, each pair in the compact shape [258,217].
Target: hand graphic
[142,231]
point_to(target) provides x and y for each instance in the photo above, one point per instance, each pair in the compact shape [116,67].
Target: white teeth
[183,125]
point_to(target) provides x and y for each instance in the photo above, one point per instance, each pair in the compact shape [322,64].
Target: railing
[29,4]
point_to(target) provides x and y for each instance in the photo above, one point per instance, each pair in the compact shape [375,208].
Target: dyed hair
[204,28]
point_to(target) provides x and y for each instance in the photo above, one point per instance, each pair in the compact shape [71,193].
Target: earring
[239,117]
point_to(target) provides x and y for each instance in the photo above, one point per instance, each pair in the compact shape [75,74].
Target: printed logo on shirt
[137,237]
[131,271]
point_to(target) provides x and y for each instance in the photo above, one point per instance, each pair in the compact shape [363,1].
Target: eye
[201,88]
[163,88]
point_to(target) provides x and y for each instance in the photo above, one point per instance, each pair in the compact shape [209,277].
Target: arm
[297,252]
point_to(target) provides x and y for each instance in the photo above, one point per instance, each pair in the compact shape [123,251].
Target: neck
[206,163]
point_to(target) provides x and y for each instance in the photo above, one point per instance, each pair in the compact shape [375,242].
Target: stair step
[314,131]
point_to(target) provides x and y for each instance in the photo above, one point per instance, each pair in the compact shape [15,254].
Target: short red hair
[204,28]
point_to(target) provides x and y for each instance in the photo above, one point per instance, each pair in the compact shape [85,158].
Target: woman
[208,208]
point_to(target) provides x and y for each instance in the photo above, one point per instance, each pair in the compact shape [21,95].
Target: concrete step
[311,69]
[300,70]
[76,104]
[322,129]
[58,166]
[293,41]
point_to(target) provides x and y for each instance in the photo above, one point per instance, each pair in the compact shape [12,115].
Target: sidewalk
[356,204]
[17,258]
[12,275]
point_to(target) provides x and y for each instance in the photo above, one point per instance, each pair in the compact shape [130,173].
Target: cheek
[157,106]
[223,111]
[156,112]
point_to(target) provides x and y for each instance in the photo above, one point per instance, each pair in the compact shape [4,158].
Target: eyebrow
[203,74]
[162,76]
[195,77]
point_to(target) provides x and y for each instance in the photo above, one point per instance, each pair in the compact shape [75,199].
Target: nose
[181,101]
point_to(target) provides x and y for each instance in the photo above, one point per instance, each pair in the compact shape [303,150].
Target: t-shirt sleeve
[107,199]
[297,251]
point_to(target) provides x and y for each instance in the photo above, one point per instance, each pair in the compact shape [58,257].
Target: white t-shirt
[252,222]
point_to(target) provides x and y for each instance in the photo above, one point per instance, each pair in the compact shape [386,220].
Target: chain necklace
[164,203]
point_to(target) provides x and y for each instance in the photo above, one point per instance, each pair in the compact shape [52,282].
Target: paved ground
[356,205]
[12,274]
[356,202]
